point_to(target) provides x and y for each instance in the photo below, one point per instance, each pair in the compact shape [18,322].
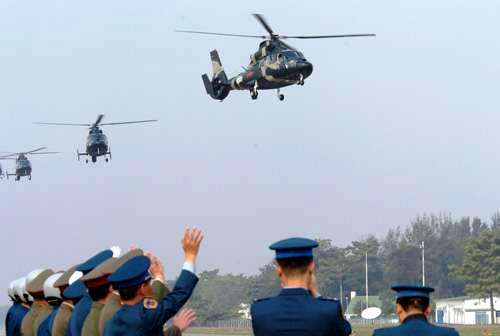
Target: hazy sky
[385,128]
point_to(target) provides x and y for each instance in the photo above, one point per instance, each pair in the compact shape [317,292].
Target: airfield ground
[357,331]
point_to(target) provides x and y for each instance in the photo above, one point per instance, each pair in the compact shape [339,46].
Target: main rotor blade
[264,23]
[98,121]
[35,150]
[61,124]
[7,157]
[324,36]
[44,153]
[129,122]
[219,34]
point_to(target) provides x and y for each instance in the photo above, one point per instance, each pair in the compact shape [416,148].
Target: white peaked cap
[10,289]
[48,286]
[117,251]
[19,288]
[75,276]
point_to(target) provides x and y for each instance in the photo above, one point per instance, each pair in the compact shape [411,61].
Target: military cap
[133,272]
[64,279]
[75,291]
[99,275]
[93,262]
[36,285]
[404,291]
[294,248]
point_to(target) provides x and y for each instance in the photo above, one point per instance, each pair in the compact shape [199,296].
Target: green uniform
[62,318]
[91,324]
[114,304]
[38,312]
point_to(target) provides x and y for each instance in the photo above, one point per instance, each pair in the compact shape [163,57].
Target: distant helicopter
[97,142]
[275,65]
[23,165]
[1,172]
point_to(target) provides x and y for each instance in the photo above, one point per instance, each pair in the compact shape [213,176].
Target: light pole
[422,246]
[366,277]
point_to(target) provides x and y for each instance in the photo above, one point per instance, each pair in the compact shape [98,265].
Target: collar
[412,317]
[70,306]
[295,291]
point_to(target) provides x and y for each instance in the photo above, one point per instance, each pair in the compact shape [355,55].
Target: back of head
[414,304]
[295,267]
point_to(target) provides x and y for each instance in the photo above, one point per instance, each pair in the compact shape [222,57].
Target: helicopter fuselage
[274,71]
[23,167]
[97,143]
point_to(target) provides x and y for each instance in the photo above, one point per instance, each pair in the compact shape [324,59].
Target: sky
[385,129]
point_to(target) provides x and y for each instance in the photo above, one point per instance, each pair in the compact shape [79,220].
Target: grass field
[357,331]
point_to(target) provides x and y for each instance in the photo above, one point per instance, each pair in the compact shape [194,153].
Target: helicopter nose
[306,68]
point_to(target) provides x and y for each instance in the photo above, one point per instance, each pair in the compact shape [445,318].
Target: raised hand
[184,319]
[191,242]
[156,269]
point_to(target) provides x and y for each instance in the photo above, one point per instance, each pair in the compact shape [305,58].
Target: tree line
[462,257]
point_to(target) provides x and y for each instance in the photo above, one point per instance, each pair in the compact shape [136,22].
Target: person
[82,308]
[413,308]
[141,314]
[298,309]
[18,309]
[159,290]
[40,308]
[53,297]
[60,325]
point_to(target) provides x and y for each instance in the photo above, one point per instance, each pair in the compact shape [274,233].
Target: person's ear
[311,267]
[428,311]
[399,309]
[279,270]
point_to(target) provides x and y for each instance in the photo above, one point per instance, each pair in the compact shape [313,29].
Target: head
[100,293]
[137,292]
[295,270]
[51,293]
[412,305]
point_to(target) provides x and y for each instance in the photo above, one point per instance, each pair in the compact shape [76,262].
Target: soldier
[82,308]
[413,308]
[140,314]
[18,309]
[159,291]
[54,298]
[296,311]
[40,308]
[61,319]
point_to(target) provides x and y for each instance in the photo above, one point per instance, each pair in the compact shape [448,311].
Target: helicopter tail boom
[218,88]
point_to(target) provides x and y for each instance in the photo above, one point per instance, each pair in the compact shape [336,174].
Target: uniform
[295,311]
[45,328]
[82,308]
[149,315]
[61,319]
[91,324]
[415,324]
[14,319]
[40,309]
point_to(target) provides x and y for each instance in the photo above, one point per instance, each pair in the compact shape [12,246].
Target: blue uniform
[416,325]
[149,316]
[296,312]
[45,328]
[14,319]
[79,315]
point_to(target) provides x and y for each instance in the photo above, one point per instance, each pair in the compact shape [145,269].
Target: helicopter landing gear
[94,159]
[18,178]
[86,160]
[281,96]
[29,178]
[253,92]
[301,80]
[107,159]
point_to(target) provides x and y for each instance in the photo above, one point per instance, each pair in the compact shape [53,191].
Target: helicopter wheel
[29,178]
[94,159]
[254,95]
[107,160]
[282,97]
[86,160]
[301,80]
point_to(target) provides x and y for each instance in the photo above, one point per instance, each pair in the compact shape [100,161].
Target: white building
[465,310]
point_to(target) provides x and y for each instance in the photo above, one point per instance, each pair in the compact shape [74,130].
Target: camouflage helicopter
[274,66]
[23,165]
[97,142]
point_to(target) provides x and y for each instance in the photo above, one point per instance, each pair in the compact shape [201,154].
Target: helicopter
[1,172]
[275,65]
[97,142]
[23,165]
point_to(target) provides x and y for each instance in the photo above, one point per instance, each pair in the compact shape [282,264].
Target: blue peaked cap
[294,248]
[132,273]
[404,291]
[93,262]
[75,291]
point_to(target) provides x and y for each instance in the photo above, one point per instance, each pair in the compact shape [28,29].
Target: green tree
[481,266]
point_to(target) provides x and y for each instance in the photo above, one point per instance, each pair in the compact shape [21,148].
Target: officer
[159,289]
[413,308]
[140,313]
[18,309]
[61,319]
[40,308]
[53,297]
[296,311]
[82,308]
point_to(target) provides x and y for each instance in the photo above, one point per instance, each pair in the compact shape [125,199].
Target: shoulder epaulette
[260,300]
[326,298]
